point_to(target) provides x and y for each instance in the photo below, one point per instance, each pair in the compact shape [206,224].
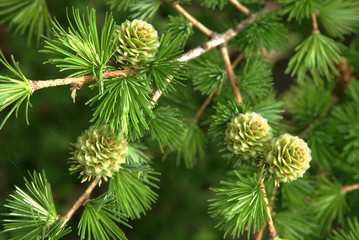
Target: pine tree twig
[217,40]
[156,95]
[315,23]
[78,82]
[237,60]
[271,227]
[204,106]
[240,7]
[349,188]
[190,18]
[260,233]
[231,75]
[82,200]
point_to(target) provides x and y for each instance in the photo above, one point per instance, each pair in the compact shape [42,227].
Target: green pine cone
[98,154]
[137,43]
[288,158]
[247,135]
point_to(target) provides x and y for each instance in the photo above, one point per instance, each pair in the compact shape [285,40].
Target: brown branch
[315,24]
[217,40]
[78,82]
[271,227]
[237,61]
[240,7]
[231,75]
[349,188]
[260,233]
[82,200]
[204,106]
[193,20]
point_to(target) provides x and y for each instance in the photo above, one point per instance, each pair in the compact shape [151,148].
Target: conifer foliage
[293,158]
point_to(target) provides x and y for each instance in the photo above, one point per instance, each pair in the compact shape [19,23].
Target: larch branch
[271,228]
[83,198]
[204,106]
[349,188]
[231,75]
[78,82]
[240,7]
[260,233]
[190,18]
[315,24]
[215,41]
[237,60]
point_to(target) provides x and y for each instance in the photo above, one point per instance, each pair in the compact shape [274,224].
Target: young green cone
[137,43]
[247,135]
[288,158]
[98,154]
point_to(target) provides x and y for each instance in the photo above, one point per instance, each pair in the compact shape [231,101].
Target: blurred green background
[55,122]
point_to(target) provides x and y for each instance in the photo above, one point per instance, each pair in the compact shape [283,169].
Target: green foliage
[299,9]
[214,3]
[345,120]
[352,91]
[352,52]
[136,155]
[352,234]
[330,204]
[119,5]
[145,9]
[303,104]
[209,73]
[339,17]
[14,90]
[193,144]
[100,218]
[166,127]
[315,109]
[179,25]
[255,77]
[317,55]
[30,16]
[165,67]
[295,195]
[321,139]
[131,188]
[294,225]
[238,206]
[123,104]
[33,213]
[267,32]
[81,49]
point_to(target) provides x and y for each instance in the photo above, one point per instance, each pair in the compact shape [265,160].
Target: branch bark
[315,24]
[231,75]
[349,188]
[193,20]
[204,106]
[83,198]
[271,228]
[78,82]
[240,7]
